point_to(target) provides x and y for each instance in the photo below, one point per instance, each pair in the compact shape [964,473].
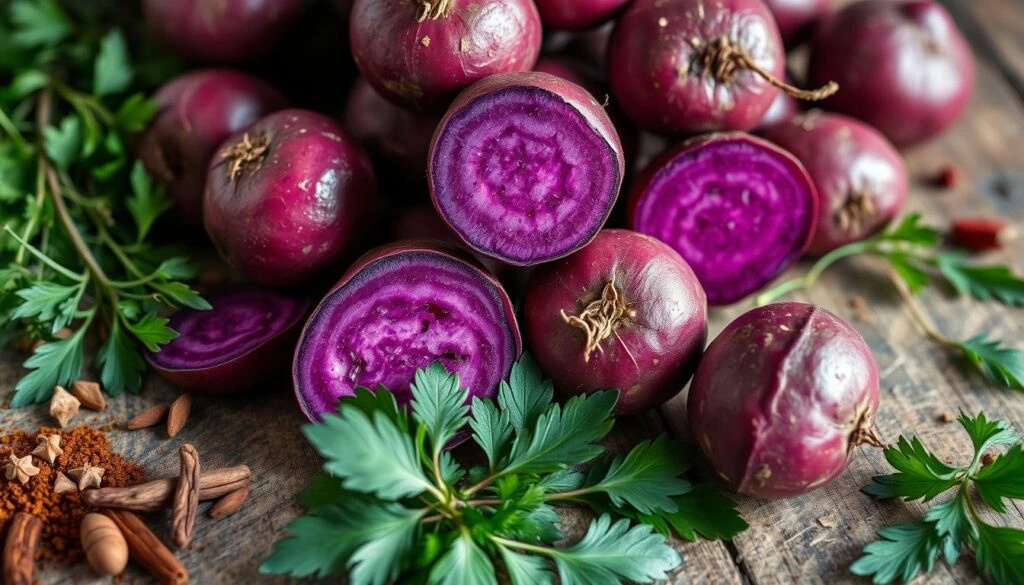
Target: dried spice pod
[20,549]
[178,413]
[105,547]
[88,394]
[186,497]
[229,504]
[158,494]
[692,66]
[150,417]
[860,177]
[63,406]
[147,550]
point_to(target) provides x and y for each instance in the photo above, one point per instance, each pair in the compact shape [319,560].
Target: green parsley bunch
[956,524]
[395,506]
[76,210]
[910,250]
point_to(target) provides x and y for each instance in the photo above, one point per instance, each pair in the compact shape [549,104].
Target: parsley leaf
[704,510]
[371,454]
[1004,478]
[492,430]
[48,302]
[911,231]
[524,569]
[982,282]
[63,144]
[986,434]
[54,363]
[903,552]
[1000,552]
[465,563]
[39,22]
[526,394]
[113,70]
[952,525]
[609,552]
[1003,365]
[135,113]
[564,437]
[439,403]
[152,331]
[121,366]
[645,479]
[920,474]
[147,202]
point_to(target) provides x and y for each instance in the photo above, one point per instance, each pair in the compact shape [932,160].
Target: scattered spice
[828,521]
[186,497]
[104,545]
[88,393]
[147,550]
[948,177]
[60,513]
[20,469]
[987,459]
[157,494]
[48,448]
[178,413]
[978,234]
[63,406]
[946,417]
[229,504]
[858,302]
[150,417]
[63,484]
[87,476]
[20,549]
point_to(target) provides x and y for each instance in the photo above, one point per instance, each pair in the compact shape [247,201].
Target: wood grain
[811,539]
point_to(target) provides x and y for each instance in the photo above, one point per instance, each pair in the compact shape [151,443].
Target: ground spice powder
[61,513]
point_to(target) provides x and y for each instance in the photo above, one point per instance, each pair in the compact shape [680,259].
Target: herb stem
[8,126]
[522,546]
[483,483]
[816,270]
[570,495]
[917,313]
[30,225]
[76,276]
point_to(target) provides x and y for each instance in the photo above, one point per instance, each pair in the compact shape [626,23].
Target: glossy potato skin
[654,64]
[423,65]
[652,356]
[780,397]
[577,14]
[902,67]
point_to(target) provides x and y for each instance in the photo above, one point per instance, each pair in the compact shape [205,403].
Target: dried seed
[88,393]
[149,417]
[178,413]
[230,503]
[63,406]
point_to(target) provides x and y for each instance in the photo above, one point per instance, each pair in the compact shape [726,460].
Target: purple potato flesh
[400,308]
[737,208]
[525,167]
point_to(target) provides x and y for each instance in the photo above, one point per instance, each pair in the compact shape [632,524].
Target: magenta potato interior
[524,175]
[241,321]
[400,312]
[781,399]
[738,209]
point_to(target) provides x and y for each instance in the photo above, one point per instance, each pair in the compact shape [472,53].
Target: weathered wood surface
[789,541]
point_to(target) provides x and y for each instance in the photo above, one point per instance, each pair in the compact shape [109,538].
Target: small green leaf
[179,293]
[645,479]
[113,69]
[610,553]
[324,490]
[39,22]
[525,569]
[152,331]
[1002,365]
[986,434]
[177,268]
[952,525]
[526,394]
[54,363]
[910,231]
[565,480]
[63,144]
[982,282]
[26,83]
[389,537]
[370,454]
[564,437]
[380,401]
[121,366]
[1000,553]
[48,302]
[1004,478]
[704,510]
[920,474]
[902,553]
[465,563]
[439,403]
[146,202]
[492,430]
[135,113]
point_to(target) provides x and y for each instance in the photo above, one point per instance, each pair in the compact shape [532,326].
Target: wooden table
[788,541]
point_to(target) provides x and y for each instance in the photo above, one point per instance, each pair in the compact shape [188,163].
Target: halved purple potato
[239,343]
[399,308]
[860,178]
[525,167]
[737,208]
[624,312]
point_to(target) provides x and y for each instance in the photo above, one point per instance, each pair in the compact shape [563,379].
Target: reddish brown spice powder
[61,513]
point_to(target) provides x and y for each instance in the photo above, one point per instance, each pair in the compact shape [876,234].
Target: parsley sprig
[954,525]
[910,250]
[394,506]
[75,209]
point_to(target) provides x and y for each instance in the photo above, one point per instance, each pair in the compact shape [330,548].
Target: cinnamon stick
[186,497]
[20,549]
[147,550]
[157,494]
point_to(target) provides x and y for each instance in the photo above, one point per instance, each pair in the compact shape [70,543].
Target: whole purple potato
[288,197]
[198,110]
[782,398]
[689,66]
[221,31]
[796,17]
[421,53]
[860,178]
[625,312]
[903,67]
[577,14]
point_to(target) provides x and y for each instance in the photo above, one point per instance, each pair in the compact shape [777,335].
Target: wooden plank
[996,30]
[786,542]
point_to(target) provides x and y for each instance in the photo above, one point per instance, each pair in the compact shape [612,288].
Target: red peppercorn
[948,177]
[978,234]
